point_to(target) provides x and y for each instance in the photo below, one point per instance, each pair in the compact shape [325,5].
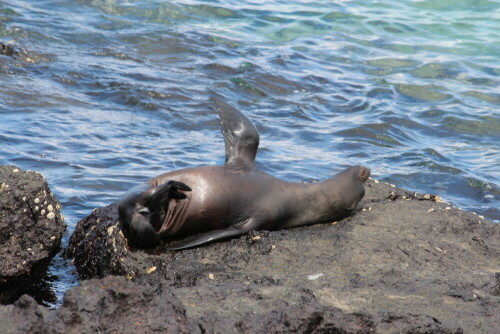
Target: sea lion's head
[135,217]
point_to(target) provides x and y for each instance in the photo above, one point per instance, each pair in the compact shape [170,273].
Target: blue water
[105,94]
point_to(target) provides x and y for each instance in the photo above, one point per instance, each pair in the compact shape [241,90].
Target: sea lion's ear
[240,135]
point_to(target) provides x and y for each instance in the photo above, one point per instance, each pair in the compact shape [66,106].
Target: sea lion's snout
[143,235]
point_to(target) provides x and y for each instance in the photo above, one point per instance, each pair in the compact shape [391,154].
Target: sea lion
[221,202]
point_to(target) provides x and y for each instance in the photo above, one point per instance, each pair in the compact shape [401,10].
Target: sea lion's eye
[144,211]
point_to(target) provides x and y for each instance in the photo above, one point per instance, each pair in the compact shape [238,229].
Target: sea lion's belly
[220,197]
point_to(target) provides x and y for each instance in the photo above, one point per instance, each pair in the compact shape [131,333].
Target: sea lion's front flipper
[216,235]
[163,192]
[240,135]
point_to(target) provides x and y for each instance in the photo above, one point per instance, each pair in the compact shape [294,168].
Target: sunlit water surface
[106,94]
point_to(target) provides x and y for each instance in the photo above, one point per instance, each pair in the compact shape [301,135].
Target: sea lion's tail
[364,173]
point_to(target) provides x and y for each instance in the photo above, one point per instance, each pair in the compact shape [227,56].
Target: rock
[7,50]
[405,262]
[28,238]
[266,309]
[18,58]
[116,305]
[110,305]
[25,316]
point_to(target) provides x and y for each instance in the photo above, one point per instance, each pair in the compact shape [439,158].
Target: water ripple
[103,94]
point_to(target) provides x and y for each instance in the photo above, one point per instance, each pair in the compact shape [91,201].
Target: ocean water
[105,94]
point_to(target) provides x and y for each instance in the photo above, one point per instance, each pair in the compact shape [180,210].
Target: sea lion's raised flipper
[217,235]
[240,135]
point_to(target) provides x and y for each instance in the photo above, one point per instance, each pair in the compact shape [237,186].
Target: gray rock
[404,262]
[31,228]
[116,305]
[25,316]
[109,305]
[253,308]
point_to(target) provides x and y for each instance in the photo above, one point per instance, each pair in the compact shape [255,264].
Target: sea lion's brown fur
[219,202]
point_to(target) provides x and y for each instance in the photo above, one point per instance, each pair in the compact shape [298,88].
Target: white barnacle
[315,276]
[110,230]
[50,215]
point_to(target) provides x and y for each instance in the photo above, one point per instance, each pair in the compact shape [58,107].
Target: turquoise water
[105,94]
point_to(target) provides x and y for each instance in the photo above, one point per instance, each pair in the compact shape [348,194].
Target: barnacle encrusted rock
[26,246]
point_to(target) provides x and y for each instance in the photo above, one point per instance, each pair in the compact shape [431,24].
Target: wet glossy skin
[222,197]
[220,202]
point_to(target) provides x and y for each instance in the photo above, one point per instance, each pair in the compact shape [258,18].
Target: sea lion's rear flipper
[217,235]
[240,135]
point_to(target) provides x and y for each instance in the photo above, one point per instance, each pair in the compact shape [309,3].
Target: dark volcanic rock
[403,262]
[17,60]
[31,227]
[116,305]
[7,50]
[267,309]
[110,305]
[25,316]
